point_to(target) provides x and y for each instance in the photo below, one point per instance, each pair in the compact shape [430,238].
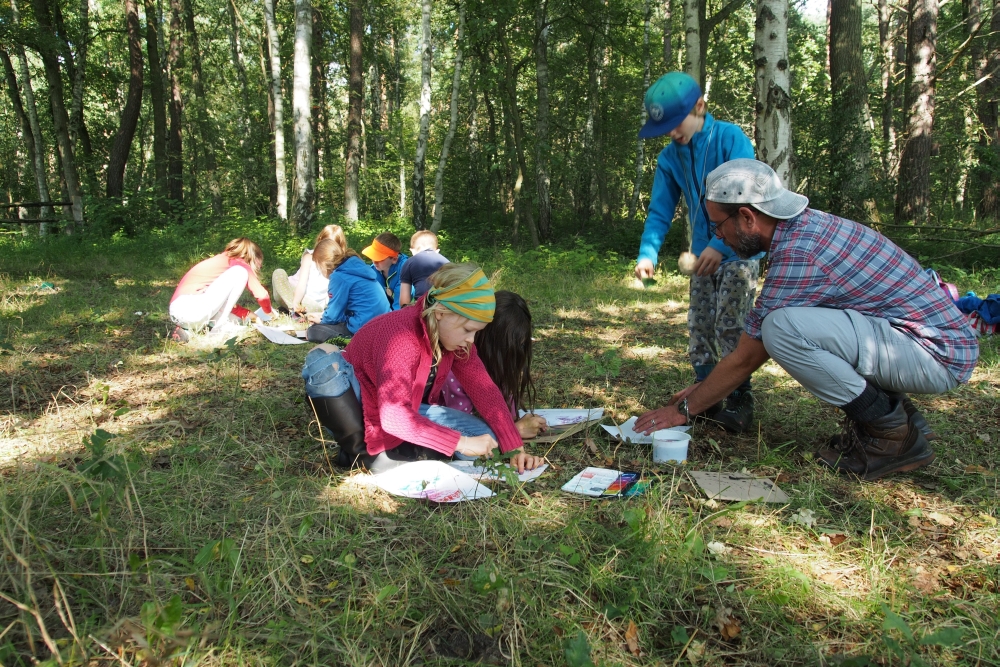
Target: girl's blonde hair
[448,276]
[329,254]
[334,233]
[247,250]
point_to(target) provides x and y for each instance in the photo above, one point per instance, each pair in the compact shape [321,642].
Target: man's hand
[644,269]
[661,418]
[525,461]
[480,445]
[708,262]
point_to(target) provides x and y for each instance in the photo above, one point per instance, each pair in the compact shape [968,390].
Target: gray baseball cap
[746,181]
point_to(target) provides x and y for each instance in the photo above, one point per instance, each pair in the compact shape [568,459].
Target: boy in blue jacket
[387,263]
[722,285]
[355,294]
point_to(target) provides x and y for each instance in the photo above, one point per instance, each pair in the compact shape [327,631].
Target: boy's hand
[644,269]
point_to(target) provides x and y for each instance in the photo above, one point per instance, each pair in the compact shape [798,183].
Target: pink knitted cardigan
[391,355]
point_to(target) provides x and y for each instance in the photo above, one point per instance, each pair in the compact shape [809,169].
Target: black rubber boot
[343,417]
[879,447]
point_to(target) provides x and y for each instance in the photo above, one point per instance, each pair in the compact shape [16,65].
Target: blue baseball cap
[668,102]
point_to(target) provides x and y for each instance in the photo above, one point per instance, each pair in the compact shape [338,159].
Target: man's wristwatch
[682,408]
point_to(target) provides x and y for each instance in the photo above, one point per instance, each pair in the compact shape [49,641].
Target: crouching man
[845,312]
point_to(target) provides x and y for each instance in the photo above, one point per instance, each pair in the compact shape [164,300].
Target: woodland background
[510,120]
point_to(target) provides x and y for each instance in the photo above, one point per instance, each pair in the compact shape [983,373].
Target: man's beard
[746,245]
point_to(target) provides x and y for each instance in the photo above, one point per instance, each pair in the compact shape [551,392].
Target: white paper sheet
[479,472]
[432,480]
[558,418]
[592,481]
[628,433]
[277,336]
[262,315]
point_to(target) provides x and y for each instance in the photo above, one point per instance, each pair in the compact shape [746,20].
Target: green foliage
[578,651]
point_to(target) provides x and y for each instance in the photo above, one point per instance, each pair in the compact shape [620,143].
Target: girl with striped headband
[397,364]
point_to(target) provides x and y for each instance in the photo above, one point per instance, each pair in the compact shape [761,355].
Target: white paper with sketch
[592,481]
[432,480]
[481,472]
[626,432]
[558,418]
[277,335]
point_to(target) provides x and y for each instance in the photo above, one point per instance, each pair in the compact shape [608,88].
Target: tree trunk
[543,149]
[888,75]
[175,106]
[32,133]
[205,129]
[60,120]
[355,105]
[640,153]
[773,127]
[32,130]
[913,195]
[398,96]
[281,201]
[668,36]
[321,124]
[510,87]
[850,143]
[692,40]
[122,144]
[452,123]
[303,187]
[419,195]
[988,96]
[158,104]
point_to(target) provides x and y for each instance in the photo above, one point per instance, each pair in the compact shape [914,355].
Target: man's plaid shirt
[820,260]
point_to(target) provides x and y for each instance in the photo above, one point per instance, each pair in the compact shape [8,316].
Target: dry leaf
[925,582]
[591,445]
[189,582]
[451,582]
[695,652]
[942,519]
[782,477]
[838,538]
[632,638]
[728,624]
[973,469]
[914,521]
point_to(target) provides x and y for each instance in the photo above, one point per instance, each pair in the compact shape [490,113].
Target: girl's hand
[529,426]
[525,461]
[314,317]
[480,445]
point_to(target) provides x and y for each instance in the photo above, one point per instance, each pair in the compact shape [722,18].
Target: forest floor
[211,529]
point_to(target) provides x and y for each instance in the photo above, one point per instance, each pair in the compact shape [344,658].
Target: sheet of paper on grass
[432,480]
[560,418]
[277,335]
[627,432]
[262,315]
[481,472]
[738,486]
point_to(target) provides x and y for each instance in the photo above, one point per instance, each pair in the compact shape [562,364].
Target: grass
[211,530]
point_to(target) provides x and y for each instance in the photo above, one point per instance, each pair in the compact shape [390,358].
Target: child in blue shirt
[387,262]
[355,294]
[424,260]
[722,285]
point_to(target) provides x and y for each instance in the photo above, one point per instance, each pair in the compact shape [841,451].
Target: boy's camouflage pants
[719,305]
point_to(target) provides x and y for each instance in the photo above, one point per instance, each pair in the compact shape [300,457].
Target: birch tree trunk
[773,127]
[668,36]
[419,195]
[888,74]
[988,95]
[452,123]
[175,107]
[692,40]
[355,104]
[157,103]
[640,154]
[398,96]
[281,199]
[122,144]
[543,149]
[60,119]
[913,194]
[33,132]
[303,186]
[850,153]
[26,132]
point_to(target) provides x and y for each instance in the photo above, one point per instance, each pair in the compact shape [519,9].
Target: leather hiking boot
[737,414]
[882,446]
[708,414]
[916,416]
[341,415]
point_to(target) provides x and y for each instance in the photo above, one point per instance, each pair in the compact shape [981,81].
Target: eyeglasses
[713,227]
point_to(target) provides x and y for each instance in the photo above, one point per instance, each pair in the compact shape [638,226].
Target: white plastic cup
[670,446]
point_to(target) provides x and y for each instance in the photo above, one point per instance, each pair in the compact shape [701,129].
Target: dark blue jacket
[392,282]
[355,295]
